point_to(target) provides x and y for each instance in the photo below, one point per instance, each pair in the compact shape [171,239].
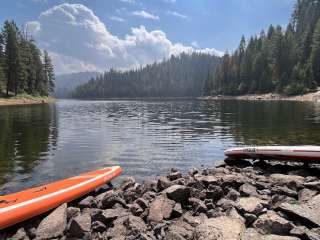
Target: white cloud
[176,14]
[170,1]
[128,1]
[117,19]
[79,41]
[33,27]
[145,14]
[195,44]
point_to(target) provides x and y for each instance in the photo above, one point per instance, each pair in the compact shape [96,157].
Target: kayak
[17,207]
[287,153]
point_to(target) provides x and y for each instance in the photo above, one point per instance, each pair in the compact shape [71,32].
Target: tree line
[23,66]
[178,76]
[285,61]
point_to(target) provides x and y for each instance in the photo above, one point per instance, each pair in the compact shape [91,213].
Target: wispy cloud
[145,14]
[117,19]
[176,14]
[128,1]
[170,1]
[195,44]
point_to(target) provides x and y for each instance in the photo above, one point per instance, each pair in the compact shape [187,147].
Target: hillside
[68,82]
[281,60]
[179,76]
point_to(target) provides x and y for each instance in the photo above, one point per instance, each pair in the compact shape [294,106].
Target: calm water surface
[43,143]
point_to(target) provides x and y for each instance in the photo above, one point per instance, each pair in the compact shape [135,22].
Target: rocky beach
[234,200]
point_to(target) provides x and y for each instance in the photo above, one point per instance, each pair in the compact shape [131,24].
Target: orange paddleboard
[17,207]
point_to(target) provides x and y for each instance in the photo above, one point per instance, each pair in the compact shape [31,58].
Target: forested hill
[280,60]
[23,66]
[179,76]
[66,83]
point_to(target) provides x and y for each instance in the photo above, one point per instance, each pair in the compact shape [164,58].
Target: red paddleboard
[286,153]
[17,207]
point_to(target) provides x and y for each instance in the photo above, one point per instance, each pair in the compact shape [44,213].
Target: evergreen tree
[49,72]
[315,54]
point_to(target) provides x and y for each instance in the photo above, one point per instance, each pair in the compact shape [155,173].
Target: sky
[96,35]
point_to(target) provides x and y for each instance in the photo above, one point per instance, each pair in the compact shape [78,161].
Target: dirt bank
[25,101]
[309,97]
[238,200]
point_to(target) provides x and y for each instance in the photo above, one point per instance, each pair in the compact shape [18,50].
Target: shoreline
[308,97]
[239,200]
[26,101]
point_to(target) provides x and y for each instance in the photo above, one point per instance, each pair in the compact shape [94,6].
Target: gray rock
[307,213]
[214,192]
[272,223]
[163,183]
[174,176]
[143,203]
[54,225]
[299,231]
[207,180]
[98,226]
[179,230]
[88,202]
[233,195]
[248,190]
[19,235]
[110,199]
[283,190]
[177,193]
[127,183]
[220,228]
[136,209]
[80,225]
[127,226]
[192,220]
[72,212]
[198,205]
[177,210]
[286,179]
[313,185]
[226,204]
[250,205]
[252,234]
[306,194]
[160,208]
[109,215]
[313,234]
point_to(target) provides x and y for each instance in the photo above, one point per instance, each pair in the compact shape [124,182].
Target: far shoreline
[308,97]
[26,101]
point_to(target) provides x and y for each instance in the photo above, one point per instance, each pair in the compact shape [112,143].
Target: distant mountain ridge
[65,83]
[179,76]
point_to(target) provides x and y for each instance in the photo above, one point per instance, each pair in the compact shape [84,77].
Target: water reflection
[146,138]
[27,136]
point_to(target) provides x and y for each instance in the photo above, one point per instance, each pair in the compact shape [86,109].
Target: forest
[179,76]
[24,69]
[285,61]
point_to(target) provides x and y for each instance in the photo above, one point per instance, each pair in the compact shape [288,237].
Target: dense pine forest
[179,76]
[286,61]
[23,67]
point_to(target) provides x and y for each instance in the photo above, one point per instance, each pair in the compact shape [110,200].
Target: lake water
[42,143]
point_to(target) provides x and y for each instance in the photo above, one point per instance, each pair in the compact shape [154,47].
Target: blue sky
[99,34]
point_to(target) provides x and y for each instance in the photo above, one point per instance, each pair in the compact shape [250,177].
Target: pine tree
[315,53]
[49,72]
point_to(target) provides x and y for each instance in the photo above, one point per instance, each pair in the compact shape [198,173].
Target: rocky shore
[26,101]
[235,200]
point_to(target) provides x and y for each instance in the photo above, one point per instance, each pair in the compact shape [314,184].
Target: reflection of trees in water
[27,134]
[272,122]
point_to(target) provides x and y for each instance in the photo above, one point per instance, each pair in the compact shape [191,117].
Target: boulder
[177,193]
[54,225]
[98,226]
[143,203]
[306,214]
[160,208]
[72,212]
[214,192]
[80,225]
[109,215]
[136,209]
[163,183]
[248,190]
[305,195]
[127,183]
[110,199]
[252,234]
[19,235]
[313,234]
[220,228]
[127,226]
[272,223]
[174,175]
[207,180]
[198,205]
[179,230]
[286,179]
[177,210]
[88,202]
[250,205]
[233,194]
[283,190]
